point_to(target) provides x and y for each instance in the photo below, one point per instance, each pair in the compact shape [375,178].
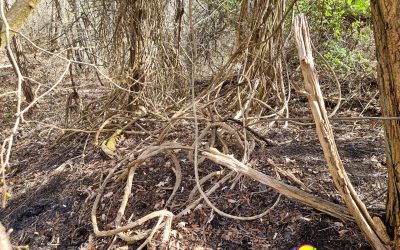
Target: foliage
[336,16]
[345,60]
[341,29]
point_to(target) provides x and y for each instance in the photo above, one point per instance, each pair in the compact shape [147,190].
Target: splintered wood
[372,231]
[289,191]
[4,240]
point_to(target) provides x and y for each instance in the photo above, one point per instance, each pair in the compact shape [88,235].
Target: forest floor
[54,184]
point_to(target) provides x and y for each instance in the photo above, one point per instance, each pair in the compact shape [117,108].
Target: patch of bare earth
[54,184]
[53,189]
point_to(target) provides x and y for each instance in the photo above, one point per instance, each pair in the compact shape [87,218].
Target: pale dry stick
[222,97]
[213,137]
[279,26]
[291,192]
[246,151]
[96,138]
[200,137]
[225,147]
[198,99]
[128,187]
[238,175]
[286,98]
[286,103]
[150,152]
[8,93]
[211,14]
[253,66]
[178,176]
[154,150]
[167,232]
[37,82]
[125,197]
[223,126]
[83,155]
[289,95]
[6,153]
[48,91]
[289,175]
[63,130]
[203,180]
[274,112]
[204,196]
[253,89]
[124,236]
[146,154]
[326,137]
[129,226]
[256,135]
[369,102]
[231,95]
[166,129]
[108,120]
[153,231]
[143,132]
[4,239]
[231,131]
[208,193]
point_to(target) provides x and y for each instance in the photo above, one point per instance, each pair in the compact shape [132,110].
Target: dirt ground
[54,184]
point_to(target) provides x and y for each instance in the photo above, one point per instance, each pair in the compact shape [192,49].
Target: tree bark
[16,17]
[386,22]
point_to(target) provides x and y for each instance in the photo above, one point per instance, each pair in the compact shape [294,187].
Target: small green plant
[345,60]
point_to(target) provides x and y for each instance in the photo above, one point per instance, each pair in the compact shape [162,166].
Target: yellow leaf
[109,146]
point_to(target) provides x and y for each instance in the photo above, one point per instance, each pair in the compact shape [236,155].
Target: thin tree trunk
[386,21]
[23,65]
[16,17]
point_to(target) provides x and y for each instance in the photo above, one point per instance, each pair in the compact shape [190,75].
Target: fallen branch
[289,191]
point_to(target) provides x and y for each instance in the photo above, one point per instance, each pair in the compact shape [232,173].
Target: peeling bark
[371,230]
[386,22]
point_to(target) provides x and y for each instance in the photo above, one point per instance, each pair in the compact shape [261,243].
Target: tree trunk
[16,17]
[386,21]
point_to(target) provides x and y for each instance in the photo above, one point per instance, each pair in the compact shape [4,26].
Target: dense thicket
[224,70]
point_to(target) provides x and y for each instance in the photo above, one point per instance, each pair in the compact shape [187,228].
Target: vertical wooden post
[386,22]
